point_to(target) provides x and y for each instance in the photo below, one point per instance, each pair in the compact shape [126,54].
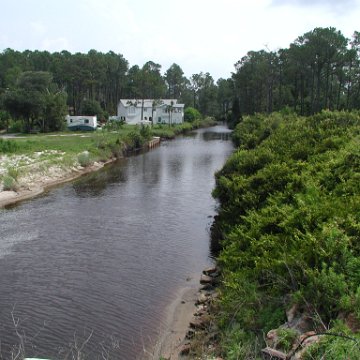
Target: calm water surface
[102,257]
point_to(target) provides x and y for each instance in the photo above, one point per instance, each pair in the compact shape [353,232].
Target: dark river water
[92,265]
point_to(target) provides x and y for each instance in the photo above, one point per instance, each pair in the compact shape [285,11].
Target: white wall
[133,116]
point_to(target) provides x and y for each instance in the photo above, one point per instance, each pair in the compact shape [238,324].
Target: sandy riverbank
[179,315]
[40,182]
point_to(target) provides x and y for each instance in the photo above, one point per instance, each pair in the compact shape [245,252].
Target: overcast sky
[199,35]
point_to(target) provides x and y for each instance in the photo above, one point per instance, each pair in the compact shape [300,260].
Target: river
[92,265]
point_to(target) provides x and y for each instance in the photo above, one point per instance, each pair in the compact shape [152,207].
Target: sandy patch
[38,177]
[179,315]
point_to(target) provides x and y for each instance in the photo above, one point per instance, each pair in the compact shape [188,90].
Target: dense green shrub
[145,132]
[339,344]
[8,146]
[289,218]
[135,140]
[191,114]
[16,126]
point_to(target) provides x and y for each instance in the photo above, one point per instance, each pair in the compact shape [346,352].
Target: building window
[86,121]
[159,119]
[131,110]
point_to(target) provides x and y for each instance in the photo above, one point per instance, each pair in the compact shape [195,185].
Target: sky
[198,35]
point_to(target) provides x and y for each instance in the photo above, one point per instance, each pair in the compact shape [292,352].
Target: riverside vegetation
[66,151]
[289,230]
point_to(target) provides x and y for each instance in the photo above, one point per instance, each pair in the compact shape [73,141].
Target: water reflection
[95,184]
[210,136]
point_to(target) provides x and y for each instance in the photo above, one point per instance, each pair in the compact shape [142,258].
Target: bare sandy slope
[179,315]
[39,176]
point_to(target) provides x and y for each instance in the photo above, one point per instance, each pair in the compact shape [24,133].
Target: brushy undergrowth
[9,183]
[84,159]
[8,146]
[289,220]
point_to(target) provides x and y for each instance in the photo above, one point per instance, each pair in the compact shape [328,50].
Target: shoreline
[178,317]
[179,314]
[39,186]
[189,325]
[13,197]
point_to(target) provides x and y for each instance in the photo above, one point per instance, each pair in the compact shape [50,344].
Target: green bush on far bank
[67,148]
[191,114]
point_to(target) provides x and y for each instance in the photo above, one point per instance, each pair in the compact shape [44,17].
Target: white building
[165,111]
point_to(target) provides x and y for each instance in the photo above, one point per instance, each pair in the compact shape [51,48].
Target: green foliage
[134,140]
[16,126]
[84,159]
[145,132]
[191,114]
[36,101]
[54,112]
[289,218]
[8,146]
[114,125]
[9,183]
[4,119]
[286,338]
[238,344]
[298,77]
[13,172]
[92,108]
[339,344]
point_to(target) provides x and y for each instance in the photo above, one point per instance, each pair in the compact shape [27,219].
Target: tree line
[319,70]
[92,82]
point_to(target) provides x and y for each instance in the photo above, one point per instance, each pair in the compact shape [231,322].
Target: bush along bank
[289,232]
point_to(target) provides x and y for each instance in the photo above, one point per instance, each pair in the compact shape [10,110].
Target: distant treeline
[319,70]
[107,77]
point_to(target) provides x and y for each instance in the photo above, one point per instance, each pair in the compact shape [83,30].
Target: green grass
[66,149]
[94,142]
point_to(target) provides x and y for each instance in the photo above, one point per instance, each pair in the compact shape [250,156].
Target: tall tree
[225,96]
[37,101]
[175,81]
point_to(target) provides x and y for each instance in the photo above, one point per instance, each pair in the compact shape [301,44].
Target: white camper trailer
[83,123]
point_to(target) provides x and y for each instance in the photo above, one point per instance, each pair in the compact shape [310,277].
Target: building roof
[148,103]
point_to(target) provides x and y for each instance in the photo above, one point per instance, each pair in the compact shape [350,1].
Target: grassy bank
[289,228]
[52,154]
